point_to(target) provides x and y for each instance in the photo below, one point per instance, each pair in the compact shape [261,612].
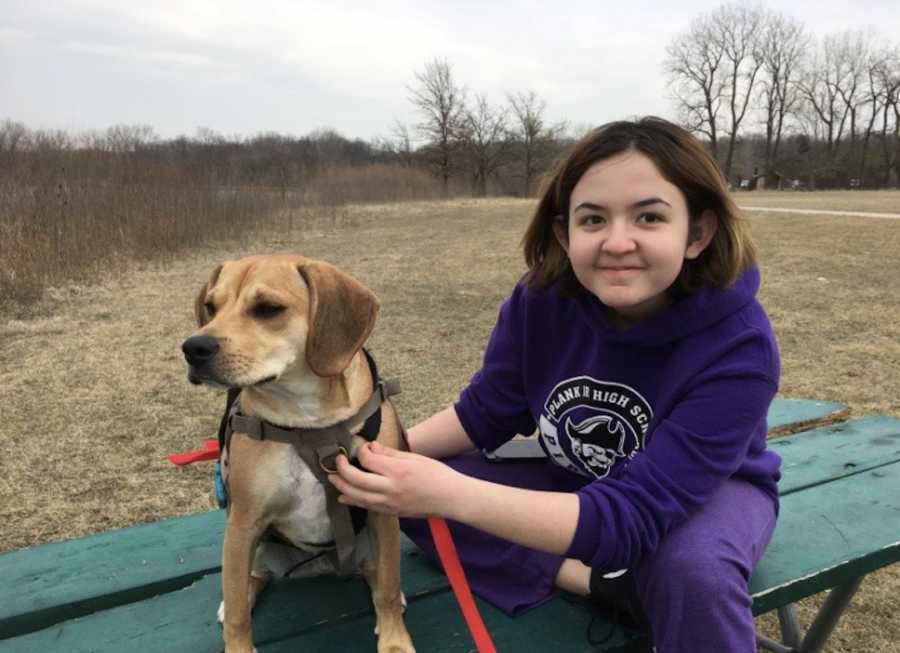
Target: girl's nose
[619,239]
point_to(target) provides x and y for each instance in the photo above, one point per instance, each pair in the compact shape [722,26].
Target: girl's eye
[593,219]
[267,310]
[649,218]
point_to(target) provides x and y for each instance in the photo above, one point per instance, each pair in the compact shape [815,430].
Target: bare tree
[739,27]
[209,136]
[784,43]
[694,65]
[209,146]
[813,147]
[714,66]
[13,136]
[442,105]
[888,75]
[51,140]
[534,139]
[128,138]
[820,86]
[487,141]
[854,51]
[402,143]
[876,96]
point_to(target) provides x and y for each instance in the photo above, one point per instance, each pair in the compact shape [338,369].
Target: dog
[288,331]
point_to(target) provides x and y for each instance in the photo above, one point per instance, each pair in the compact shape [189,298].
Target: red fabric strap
[210,451]
[446,550]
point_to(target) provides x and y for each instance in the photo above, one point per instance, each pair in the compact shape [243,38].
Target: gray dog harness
[319,449]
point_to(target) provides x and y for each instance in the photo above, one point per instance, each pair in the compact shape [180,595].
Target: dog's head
[267,318]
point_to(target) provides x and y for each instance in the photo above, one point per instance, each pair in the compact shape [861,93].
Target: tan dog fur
[290,332]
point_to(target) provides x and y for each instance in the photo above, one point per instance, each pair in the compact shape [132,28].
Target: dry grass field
[887,201]
[94,393]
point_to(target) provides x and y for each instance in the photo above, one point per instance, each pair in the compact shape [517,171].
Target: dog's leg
[384,579]
[241,537]
[258,582]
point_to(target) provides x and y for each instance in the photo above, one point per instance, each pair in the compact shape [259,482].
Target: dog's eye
[210,308]
[267,310]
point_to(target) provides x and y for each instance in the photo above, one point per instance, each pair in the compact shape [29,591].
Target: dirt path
[770,209]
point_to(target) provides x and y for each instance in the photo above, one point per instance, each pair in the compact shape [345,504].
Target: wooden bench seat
[156,587]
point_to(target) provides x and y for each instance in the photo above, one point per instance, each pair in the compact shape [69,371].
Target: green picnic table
[156,587]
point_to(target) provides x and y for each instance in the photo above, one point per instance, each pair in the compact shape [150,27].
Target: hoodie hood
[686,316]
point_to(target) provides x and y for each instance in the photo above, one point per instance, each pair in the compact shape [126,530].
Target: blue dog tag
[221,492]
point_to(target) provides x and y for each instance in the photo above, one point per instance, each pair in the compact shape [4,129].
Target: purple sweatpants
[693,588]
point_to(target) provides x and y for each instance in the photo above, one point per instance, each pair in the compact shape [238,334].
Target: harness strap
[341,521]
[230,402]
[319,449]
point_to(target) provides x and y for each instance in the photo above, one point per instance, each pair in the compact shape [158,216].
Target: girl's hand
[397,482]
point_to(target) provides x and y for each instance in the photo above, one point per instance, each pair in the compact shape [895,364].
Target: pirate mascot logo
[587,426]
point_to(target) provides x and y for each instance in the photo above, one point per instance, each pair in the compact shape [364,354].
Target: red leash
[446,551]
[210,451]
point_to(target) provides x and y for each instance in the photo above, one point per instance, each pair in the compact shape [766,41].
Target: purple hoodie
[655,417]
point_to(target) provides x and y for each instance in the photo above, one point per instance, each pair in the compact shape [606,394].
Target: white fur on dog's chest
[304,520]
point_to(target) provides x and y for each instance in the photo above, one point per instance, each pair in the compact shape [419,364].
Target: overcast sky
[245,67]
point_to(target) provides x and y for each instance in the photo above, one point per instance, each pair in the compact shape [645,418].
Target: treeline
[779,103]
[269,160]
[478,152]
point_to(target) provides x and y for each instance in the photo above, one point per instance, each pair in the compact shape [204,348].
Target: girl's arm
[440,436]
[413,485]
[545,521]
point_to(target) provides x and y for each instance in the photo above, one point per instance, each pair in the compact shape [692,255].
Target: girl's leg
[693,588]
[512,577]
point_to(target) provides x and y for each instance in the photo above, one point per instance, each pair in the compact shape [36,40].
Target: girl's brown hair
[684,162]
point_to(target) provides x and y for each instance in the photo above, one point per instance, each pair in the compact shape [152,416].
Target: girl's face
[629,233]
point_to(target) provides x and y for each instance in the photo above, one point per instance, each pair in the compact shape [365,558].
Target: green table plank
[313,615]
[436,626]
[828,535]
[808,554]
[788,415]
[60,581]
[831,452]
[184,620]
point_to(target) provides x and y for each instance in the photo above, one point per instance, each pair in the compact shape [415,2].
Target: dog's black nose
[199,349]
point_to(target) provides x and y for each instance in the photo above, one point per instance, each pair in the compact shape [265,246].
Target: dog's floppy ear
[341,316]
[200,311]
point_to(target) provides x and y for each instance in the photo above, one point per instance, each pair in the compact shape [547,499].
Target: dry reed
[67,215]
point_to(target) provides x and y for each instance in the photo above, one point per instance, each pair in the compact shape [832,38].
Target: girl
[636,347]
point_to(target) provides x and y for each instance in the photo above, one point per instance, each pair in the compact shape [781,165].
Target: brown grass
[887,201]
[95,396]
[66,215]
[377,182]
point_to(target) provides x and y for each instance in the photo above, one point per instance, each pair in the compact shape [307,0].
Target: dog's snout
[199,349]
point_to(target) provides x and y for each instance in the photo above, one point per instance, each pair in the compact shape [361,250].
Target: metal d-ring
[341,450]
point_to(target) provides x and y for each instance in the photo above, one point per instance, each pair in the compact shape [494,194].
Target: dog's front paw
[402,609]
[396,647]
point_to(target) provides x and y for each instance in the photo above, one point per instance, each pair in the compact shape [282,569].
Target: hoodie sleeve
[692,451]
[494,407]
